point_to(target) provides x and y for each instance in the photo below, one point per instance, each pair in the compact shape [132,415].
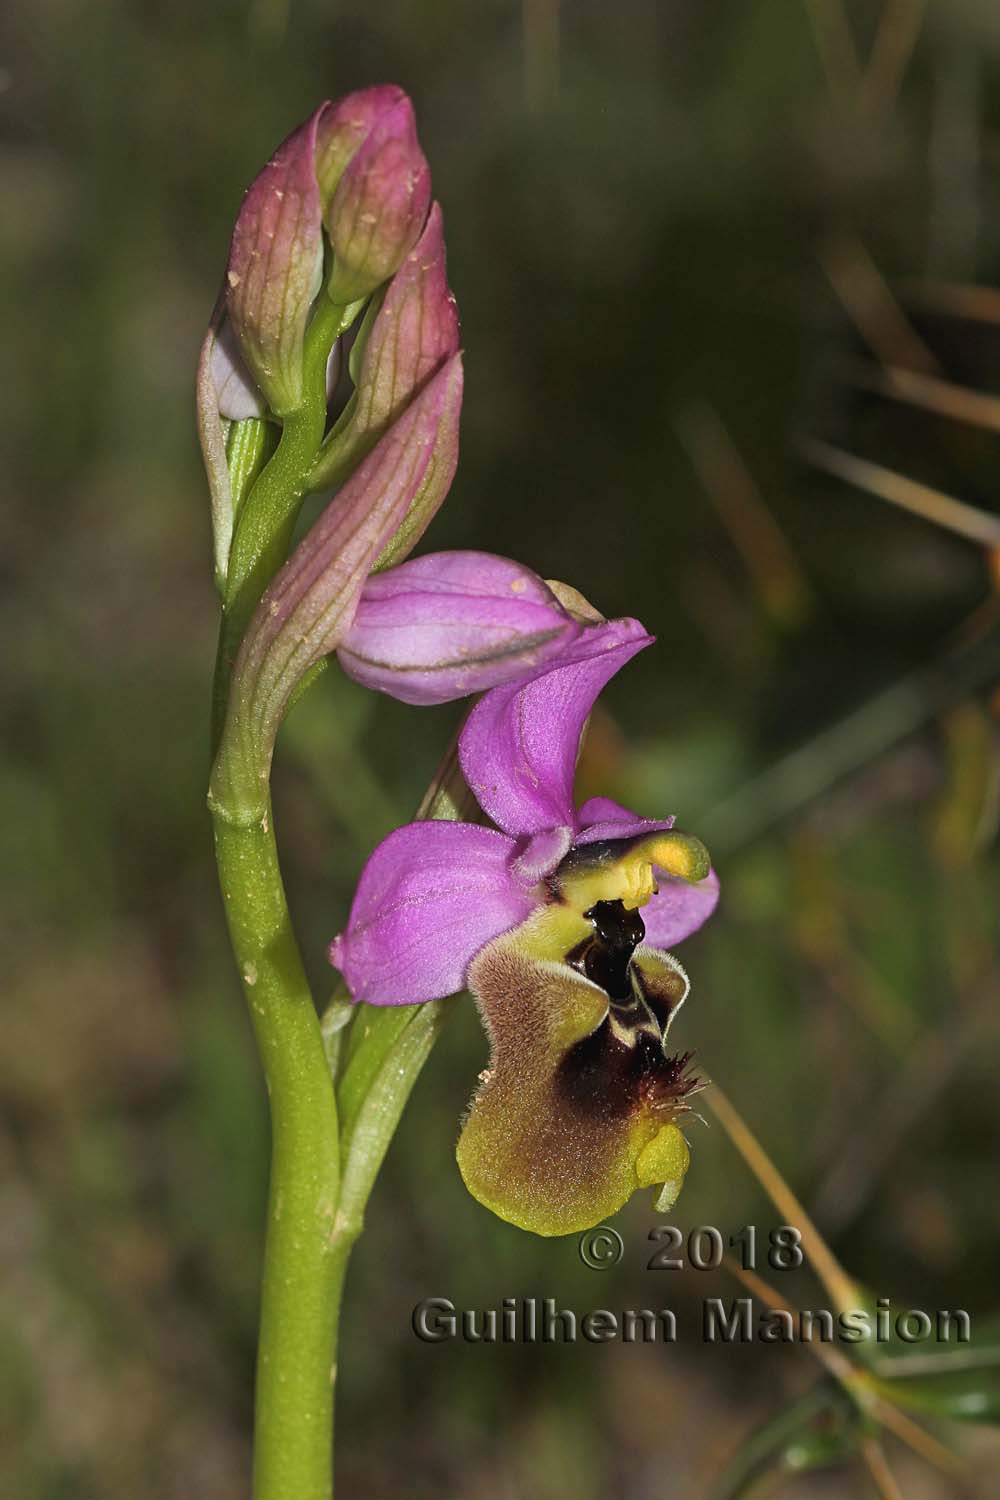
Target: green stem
[303,1267]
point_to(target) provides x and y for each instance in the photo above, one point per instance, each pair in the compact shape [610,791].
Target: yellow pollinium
[629,878]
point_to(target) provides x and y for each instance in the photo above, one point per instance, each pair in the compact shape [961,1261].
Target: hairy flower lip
[579,1104]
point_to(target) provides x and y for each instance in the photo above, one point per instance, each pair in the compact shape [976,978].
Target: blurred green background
[686,239]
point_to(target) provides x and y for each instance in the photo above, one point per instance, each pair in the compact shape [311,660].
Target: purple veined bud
[407,335]
[452,623]
[378,211]
[309,606]
[344,127]
[276,265]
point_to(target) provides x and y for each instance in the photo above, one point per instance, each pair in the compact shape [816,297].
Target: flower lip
[579,1104]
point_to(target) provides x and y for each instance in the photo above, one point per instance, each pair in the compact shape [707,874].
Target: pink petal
[601,818]
[448,624]
[679,909]
[519,746]
[430,897]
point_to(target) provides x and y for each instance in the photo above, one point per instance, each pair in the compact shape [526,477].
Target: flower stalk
[293,1454]
[267,370]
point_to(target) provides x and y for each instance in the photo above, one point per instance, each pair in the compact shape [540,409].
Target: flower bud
[407,335]
[309,606]
[344,127]
[378,210]
[452,623]
[275,267]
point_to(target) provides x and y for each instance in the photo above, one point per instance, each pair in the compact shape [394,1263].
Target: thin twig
[919,499]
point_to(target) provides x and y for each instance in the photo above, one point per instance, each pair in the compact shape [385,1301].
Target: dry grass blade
[729,485]
[855,1381]
[954,515]
[835,1363]
[892,49]
[920,1440]
[917,1089]
[871,306]
[540,44]
[878,1467]
[842,1289]
[956,299]
[942,397]
[837,52]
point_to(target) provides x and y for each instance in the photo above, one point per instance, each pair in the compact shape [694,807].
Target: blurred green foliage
[640,201]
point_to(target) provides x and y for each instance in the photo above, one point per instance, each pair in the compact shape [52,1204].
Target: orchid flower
[557,919]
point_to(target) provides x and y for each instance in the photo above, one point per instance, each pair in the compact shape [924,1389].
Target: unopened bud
[275,267]
[407,335]
[379,208]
